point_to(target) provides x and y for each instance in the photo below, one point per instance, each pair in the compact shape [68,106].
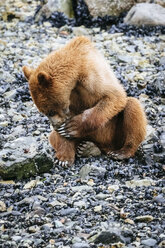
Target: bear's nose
[55,121]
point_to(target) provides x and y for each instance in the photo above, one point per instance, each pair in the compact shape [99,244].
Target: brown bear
[79,93]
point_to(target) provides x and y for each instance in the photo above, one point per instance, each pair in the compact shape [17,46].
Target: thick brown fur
[77,82]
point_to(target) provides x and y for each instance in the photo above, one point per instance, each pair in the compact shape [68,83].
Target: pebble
[80,245]
[159,199]
[144,218]
[68,211]
[2,206]
[30,184]
[112,188]
[97,209]
[108,237]
[140,183]
[149,242]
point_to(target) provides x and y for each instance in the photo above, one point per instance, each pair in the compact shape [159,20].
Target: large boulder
[108,7]
[51,6]
[25,157]
[146,14]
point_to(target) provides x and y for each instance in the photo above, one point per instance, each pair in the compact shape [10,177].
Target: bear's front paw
[72,128]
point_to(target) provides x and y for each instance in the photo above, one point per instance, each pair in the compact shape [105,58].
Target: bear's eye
[51,113]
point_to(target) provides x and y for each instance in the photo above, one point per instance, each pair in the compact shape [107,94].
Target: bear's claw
[118,155]
[113,155]
[62,163]
[63,132]
[82,146]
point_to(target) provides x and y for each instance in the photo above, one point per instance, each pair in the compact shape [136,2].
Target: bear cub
[79,93]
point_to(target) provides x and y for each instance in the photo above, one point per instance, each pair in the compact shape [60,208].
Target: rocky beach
[98,202]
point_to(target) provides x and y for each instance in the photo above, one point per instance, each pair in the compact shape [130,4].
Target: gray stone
[51,6]
[144,218]
[78,31]
[108,7]
[68,211]
[58,224]
[2,206]
[56,203]
[146,14]
[80,204]
[162,61]
[87,170]
[125,58]
[26,160]
[34,229]
[159,199]
[16,238]
[149,242]
[80,245]
[140,183]
[162,244]
[109,237]
[85,188]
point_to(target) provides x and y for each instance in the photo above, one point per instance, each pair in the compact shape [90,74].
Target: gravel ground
[97,202]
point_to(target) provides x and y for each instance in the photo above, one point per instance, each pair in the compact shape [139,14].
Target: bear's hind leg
[65,149]
[134,128]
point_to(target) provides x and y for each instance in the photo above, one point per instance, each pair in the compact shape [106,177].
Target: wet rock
[146,14]
[68,211]
[140,183]
[64,6]
[98,209]
[2,206]
[58,224]
[30,184]
[162,244]
[56,203]
[16,238]
[34,229]
[112,188]
[26,161]
[144,218]
[79,31]
[80,245]
[162,61]
[108,237]
[108,7]
[81,188]
[80,204]
[88,170]
[159,199]
[149,242]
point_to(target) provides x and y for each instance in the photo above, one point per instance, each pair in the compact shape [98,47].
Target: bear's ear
[27,71]
[44,79]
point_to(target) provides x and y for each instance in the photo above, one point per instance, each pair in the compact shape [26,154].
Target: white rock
[4,124]
[30,184]
[146,14]
[97,209]
[108,7]
[2,206]
[140,183]
[113,188]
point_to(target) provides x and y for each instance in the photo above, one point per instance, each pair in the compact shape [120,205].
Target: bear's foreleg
[91,119]
[65,149]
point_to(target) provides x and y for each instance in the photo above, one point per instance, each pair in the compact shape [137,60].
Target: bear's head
[48,94]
